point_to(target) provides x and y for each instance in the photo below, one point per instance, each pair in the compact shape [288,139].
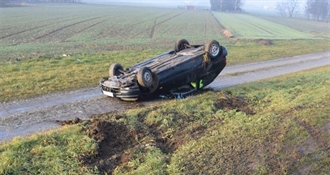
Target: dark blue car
[187,65]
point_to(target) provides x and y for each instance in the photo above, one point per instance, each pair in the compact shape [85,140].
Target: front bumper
[119,92]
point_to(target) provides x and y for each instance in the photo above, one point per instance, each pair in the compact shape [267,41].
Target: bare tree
[237,4]
[226,5]
[288,7]
[318,9]
[280,7]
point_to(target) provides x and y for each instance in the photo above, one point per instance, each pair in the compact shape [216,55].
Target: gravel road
[24,117]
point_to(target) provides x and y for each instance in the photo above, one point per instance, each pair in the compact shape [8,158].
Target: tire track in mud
[126,27]
[34,28]
[16,33]
[319,138]
[152,30]
[41,21]
[220,26]
[64,27]
[205,28]
[258,26]
[84,29]
[23,117]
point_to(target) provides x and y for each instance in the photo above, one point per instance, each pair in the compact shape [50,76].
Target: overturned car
[195,66]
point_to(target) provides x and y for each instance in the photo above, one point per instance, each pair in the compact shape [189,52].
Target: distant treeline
[226,5]
[19,2]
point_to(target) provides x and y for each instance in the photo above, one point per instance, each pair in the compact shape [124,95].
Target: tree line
[318,9]
[314,9]
[226,5]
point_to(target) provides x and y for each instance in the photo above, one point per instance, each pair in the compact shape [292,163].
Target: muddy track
[205,28]
[152,31]
[27,30]
[123,34]
[317,135]
[159,23]
[34,28]
[64,27]
[35,115]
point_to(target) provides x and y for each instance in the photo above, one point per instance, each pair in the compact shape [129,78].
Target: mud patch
[265,42]
[230,102]
[119,143]
[317,136]
[76,120]
[113,138]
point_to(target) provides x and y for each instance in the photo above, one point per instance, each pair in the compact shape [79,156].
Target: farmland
[317,28]
[50,30]
[250,27]
[278,126]
[51,48]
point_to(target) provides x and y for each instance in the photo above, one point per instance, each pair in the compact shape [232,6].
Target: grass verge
[279,126]
[54,152]
[48,74]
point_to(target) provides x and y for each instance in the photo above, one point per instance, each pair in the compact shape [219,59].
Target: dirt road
[25,117]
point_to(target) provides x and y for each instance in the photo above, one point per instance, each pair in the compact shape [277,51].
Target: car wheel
[148,79]
[115,69]
[181,44]
[212,48]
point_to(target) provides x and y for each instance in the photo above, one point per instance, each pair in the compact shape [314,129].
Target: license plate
[108,93]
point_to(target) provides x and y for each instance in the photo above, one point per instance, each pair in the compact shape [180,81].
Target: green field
[71,29]
[278,126]
[50,48]
[251,27]
[55,30]
[317,28]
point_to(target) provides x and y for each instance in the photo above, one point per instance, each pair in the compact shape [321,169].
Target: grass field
[34,77]
[54,30]
[49,48]
[317,28]
[278,126]
[251,27]
[71,29]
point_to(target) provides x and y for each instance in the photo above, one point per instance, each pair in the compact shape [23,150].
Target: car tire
[114,69]
[212,48]
[181,44]
[148,79]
